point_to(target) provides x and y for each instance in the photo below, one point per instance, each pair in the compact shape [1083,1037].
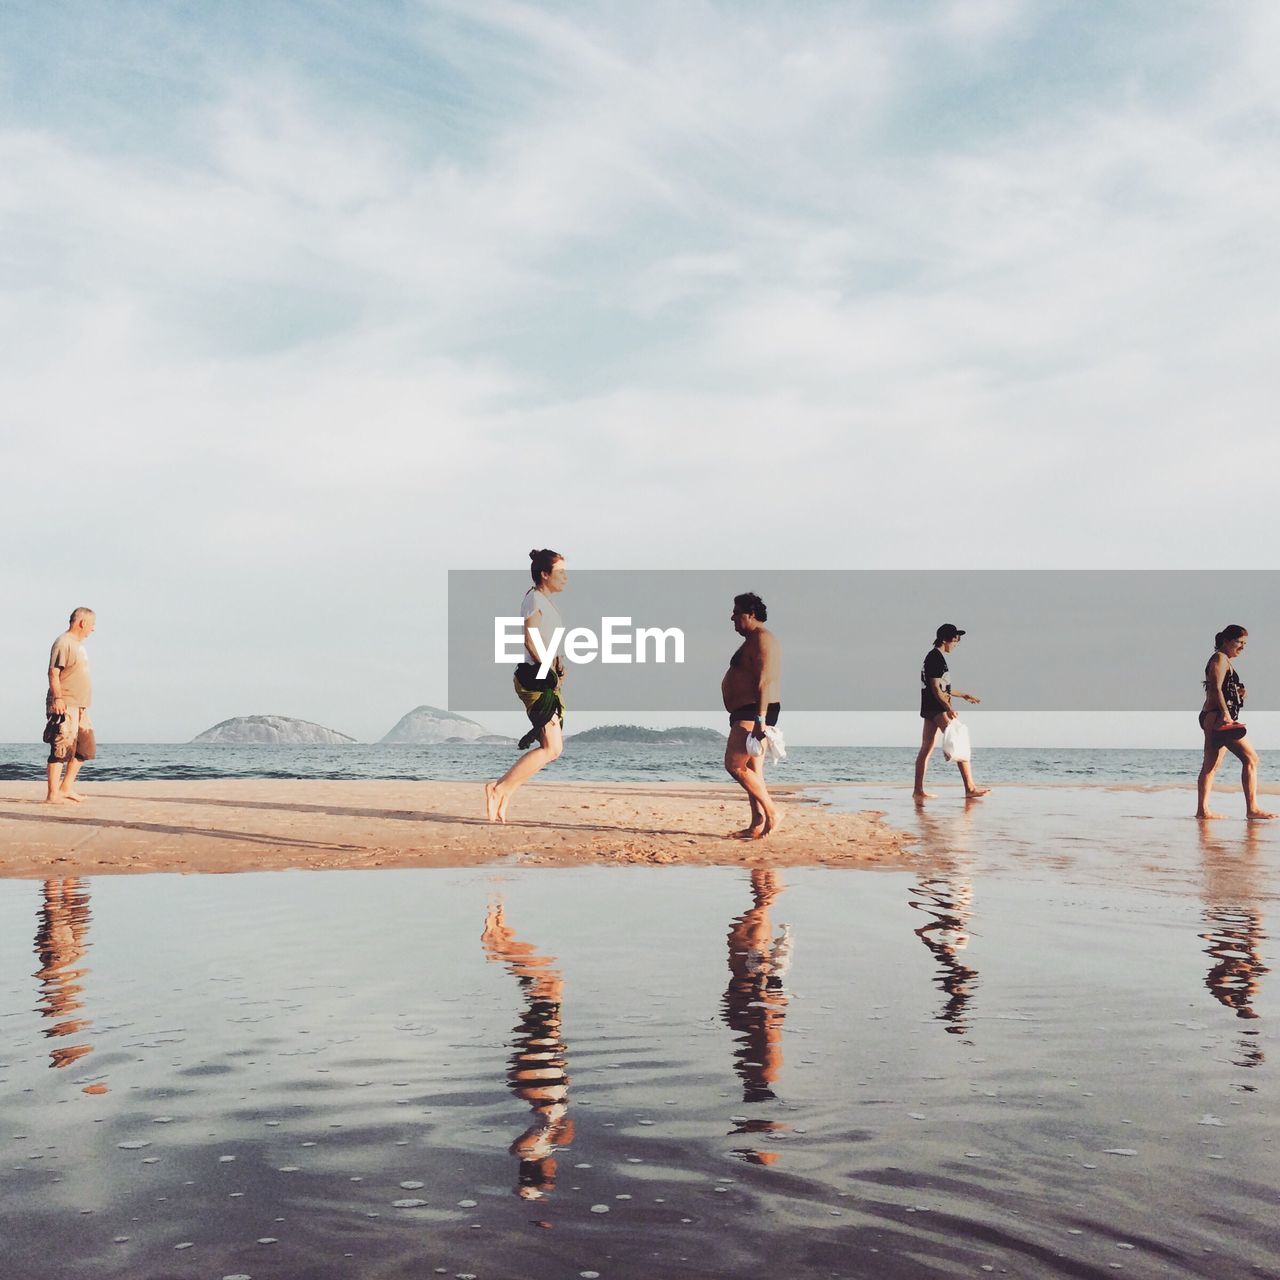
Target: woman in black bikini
[1223,697]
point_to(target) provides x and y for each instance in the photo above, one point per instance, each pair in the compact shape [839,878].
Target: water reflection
[1233,930]
[62,926]
[537,1072]
[755,1005]
[945,893]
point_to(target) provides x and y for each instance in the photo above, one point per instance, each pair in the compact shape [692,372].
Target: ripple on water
[836,1090]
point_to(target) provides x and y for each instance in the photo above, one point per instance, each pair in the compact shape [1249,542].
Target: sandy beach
[272,824]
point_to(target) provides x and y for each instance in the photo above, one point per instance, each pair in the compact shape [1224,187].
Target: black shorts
[931,706]
[749,713]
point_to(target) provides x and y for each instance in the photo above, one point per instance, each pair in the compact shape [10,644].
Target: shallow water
[1043,1048]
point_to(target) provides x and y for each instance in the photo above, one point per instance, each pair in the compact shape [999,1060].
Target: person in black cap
[935,710]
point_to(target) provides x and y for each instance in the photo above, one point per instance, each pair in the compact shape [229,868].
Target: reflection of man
[60,942]
[750,693]
[755,1002]
[68,729]
[537,1071]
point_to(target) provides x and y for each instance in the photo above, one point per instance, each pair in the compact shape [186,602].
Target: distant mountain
[425,725]
[682,736]
[272,731]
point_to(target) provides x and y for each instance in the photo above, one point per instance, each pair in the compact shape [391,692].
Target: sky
[306,304]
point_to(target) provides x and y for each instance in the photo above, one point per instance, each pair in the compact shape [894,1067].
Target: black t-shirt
[935,667]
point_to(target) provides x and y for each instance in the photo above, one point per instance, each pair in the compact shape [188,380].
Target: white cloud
[610,274]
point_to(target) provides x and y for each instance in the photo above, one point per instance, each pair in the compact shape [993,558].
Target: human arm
[968,697]
[57,701]
[768,659]
[530,626]
[935,688]
[55,689]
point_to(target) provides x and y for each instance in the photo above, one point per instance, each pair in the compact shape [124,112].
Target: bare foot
[58,799]
[74,796]
[1206,815]
[1258,814]
[977,792]
[923,795]
[502,806]
[748,833]
[491,801]
[772,824]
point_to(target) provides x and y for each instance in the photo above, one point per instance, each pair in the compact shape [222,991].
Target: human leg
[67,790]
[928,740]
[1248,757]
[971,791]
[1208,767]
[755,763]
[550,748]
[54,777]
[738,764]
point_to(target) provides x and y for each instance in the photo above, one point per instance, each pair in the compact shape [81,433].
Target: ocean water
[1042,1046]
[617,763]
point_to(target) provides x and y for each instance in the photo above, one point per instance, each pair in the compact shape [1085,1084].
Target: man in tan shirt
[69,731]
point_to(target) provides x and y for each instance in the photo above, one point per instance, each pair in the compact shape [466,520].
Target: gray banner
[1083,640]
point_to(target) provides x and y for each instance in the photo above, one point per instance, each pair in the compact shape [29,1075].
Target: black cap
[948,631]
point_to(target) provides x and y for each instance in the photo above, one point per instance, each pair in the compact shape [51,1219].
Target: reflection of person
[537,1073]
[947,897]
[60,941]
[1234,934]
[936,710]
[945,893]
[1223,698]
[68,729]
[543,699]
[750,693]
[755,1002]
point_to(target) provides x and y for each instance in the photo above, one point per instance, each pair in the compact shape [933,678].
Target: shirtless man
[68,729]
[750,693]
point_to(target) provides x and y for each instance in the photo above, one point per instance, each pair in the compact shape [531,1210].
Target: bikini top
[1232,685]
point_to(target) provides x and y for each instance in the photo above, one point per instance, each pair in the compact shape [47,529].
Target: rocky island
[272,731]
[681,736]
[427,726]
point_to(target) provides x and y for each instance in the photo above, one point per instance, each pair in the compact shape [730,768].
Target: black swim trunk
[749,713]
[931,706]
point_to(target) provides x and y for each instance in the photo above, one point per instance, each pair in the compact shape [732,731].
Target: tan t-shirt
[72,661]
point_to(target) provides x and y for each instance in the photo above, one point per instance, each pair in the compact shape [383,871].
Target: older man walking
[69,731]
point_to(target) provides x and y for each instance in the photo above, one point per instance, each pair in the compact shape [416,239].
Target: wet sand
[1040,1044]
[274,824]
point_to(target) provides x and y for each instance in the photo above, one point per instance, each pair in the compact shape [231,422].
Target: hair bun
[533,555]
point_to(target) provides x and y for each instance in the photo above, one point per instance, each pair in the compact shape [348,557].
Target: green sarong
[541,705]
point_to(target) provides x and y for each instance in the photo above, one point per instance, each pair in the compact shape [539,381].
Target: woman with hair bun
[1223,698]
[542,698]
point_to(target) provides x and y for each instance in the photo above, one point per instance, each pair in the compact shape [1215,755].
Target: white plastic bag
[774,746]
[955,741]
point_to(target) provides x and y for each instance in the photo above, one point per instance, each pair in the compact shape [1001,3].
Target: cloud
[982,281]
